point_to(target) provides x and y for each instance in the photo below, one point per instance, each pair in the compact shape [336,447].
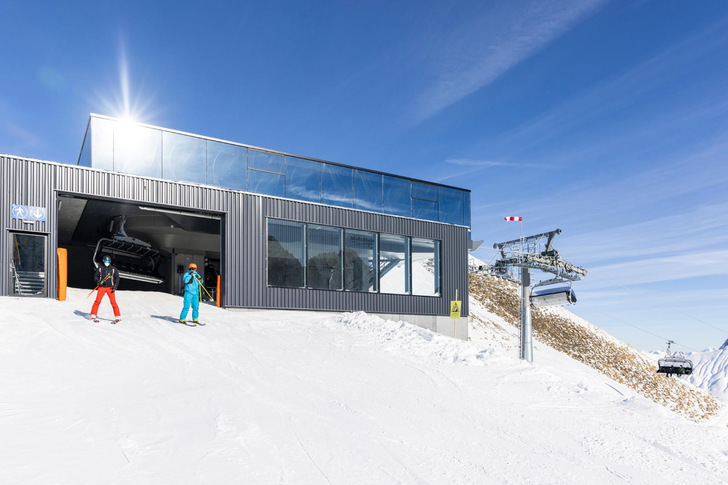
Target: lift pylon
[535,252]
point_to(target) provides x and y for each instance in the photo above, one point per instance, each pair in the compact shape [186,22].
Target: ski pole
[201,286]
[97,286]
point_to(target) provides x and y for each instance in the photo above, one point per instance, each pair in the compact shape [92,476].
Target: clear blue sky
[608,120]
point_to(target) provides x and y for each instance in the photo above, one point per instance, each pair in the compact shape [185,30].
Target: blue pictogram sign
[28,213]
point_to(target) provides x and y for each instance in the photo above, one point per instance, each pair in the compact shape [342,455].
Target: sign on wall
[28,213]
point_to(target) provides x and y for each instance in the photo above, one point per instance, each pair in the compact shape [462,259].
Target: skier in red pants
[107,279]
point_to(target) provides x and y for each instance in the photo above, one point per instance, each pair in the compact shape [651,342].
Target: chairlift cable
[591,271]
[645,331]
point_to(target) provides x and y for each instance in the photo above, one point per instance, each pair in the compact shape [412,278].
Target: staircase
[29,283]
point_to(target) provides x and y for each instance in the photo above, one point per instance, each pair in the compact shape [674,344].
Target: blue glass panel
[397,199]
[424,191]
[184,158]
[226,165]
[137,150]
[102,144]
[336,185]
[424,209]
[303,179]
[466,209]
[270,162]
[266,183]
[451,205]
[367,191]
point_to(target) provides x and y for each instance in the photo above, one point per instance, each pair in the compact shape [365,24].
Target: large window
[367,191]
[303,179]
[336,185]
[394,264]
[397,198]
[424,201]
[323,266]
[224,162]
[332,258]
[425,267]
[286,253]
[184,158]
[266,173]
[360,261]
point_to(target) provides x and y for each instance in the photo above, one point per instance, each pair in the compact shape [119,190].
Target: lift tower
[535,252]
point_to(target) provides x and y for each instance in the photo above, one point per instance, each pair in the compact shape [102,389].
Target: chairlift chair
[134,258]
[674,364]
[553,297]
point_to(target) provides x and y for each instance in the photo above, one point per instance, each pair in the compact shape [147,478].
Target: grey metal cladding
[243,236]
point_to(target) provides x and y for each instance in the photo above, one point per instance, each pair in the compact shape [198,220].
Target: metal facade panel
[243,234]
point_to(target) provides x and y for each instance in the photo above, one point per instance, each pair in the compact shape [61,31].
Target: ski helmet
[193,266]
[107,259]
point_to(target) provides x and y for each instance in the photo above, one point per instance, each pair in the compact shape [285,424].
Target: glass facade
[112,144]
[320,257]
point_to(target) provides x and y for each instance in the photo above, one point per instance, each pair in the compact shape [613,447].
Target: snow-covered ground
[299,398]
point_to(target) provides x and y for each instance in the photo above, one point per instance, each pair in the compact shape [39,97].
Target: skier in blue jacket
[192,281]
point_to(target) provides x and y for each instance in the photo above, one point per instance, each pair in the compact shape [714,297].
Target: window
[425,267]
[360,261]
[336,185]
[226,165]
[397,198]
[452,206]
[303,179]
[367,191]
[286,248]
[394,264]
[322,257]
[184,158]
[323,266]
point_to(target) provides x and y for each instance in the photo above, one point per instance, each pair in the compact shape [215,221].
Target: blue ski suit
[192,281]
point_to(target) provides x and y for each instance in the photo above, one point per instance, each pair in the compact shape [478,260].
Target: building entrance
[148,244]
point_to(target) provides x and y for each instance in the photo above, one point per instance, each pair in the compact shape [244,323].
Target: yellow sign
[455,308]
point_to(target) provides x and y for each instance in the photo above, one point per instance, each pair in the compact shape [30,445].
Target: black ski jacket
[101,276]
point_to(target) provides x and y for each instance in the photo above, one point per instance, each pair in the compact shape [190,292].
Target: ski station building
[266,229]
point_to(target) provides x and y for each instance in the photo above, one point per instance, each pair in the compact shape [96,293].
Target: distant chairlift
[674,363]
[135,259]
[553,297]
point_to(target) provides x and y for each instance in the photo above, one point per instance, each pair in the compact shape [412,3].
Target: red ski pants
[104,290]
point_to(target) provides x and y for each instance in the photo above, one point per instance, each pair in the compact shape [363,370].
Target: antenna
[535,252]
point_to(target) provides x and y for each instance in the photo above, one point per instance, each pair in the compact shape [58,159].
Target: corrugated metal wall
[36,183]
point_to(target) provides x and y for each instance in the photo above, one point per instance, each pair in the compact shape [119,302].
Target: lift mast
[534,252]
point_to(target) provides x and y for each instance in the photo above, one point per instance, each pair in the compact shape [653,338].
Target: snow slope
[307,398]
[710,371]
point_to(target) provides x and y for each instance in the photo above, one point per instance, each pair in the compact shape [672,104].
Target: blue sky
[607,119]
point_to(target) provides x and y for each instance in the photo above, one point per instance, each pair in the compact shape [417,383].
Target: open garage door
[150,245]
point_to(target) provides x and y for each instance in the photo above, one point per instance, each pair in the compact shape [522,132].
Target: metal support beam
[525,314]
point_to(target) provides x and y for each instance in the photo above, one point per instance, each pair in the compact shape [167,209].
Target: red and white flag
[514,218]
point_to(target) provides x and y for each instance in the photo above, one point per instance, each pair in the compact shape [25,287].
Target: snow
[308,398]
[710,371]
